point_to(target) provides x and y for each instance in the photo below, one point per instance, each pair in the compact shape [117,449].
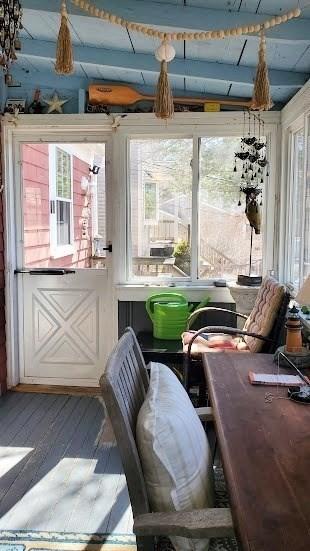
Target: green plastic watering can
[169,313]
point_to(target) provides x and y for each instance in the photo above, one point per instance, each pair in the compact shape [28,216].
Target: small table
[265,448]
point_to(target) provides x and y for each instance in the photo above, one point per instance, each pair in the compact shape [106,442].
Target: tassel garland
[64,55]
[163,105]
[261,100]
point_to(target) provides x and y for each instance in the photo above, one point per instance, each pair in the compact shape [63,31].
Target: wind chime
[10,24]
[251,160]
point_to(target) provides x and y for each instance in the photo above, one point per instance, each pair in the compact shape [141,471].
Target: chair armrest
[197,312]
[205,413]
[202,523]
[226,331]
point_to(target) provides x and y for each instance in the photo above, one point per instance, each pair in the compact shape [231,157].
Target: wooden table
[265,451]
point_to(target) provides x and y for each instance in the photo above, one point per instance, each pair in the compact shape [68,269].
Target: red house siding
[35,170]
[2,303]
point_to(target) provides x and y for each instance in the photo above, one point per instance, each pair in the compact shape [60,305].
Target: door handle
[46,271]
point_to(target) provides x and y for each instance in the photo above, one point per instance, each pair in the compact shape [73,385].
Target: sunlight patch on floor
[11,456]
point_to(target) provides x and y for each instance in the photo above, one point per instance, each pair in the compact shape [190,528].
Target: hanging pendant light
[10,24]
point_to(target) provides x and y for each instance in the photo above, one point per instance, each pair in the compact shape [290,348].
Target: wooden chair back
[124,385]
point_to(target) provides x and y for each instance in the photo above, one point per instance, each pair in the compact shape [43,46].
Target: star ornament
[55,103]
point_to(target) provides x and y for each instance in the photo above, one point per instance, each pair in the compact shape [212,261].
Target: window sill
[65,250]
[140,292]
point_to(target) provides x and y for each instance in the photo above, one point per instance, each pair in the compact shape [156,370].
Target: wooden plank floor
[54,474]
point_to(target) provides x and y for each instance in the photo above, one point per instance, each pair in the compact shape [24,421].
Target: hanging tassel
[163,105]
[261,100]
[64,55]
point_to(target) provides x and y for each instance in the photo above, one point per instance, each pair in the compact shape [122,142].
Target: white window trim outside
[223,125]
[59,251]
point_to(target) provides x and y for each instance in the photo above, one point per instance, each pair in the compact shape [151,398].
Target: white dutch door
[65,306]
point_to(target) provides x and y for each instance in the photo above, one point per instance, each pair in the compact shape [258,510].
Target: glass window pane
[306,268]
[150,202]
[61,232]
[63,214]
[63,174]
[297,202]
[161,211]
[224,229]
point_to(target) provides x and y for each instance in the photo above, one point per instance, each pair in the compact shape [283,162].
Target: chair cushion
[214,343]
[265,310]
[174,451]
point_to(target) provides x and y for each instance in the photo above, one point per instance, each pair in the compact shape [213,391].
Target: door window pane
[64,205]
[224,229]
[161,207]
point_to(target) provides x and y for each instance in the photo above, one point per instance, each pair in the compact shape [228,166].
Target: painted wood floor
[54,474]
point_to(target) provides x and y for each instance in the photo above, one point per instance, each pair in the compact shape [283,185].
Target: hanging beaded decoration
[10,24]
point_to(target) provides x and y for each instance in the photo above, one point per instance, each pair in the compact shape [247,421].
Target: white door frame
[41,128]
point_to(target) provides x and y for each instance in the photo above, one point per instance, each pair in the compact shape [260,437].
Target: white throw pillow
[174,451]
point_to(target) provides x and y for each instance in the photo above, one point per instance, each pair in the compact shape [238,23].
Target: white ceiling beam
[133,62]
[184,17]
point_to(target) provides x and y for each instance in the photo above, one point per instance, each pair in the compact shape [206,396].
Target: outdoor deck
[56,474]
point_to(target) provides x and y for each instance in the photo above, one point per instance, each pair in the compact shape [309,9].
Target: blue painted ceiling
[222,67]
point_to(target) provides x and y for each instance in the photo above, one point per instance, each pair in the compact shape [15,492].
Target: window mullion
[195,210]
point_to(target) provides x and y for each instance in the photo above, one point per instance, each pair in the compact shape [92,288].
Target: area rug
[23,540]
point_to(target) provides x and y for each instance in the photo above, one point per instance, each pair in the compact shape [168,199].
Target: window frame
[293,191]
[56,250]
[301,122]
[196,132]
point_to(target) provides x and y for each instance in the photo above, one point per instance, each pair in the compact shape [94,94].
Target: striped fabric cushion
[174,451]
[265,310]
